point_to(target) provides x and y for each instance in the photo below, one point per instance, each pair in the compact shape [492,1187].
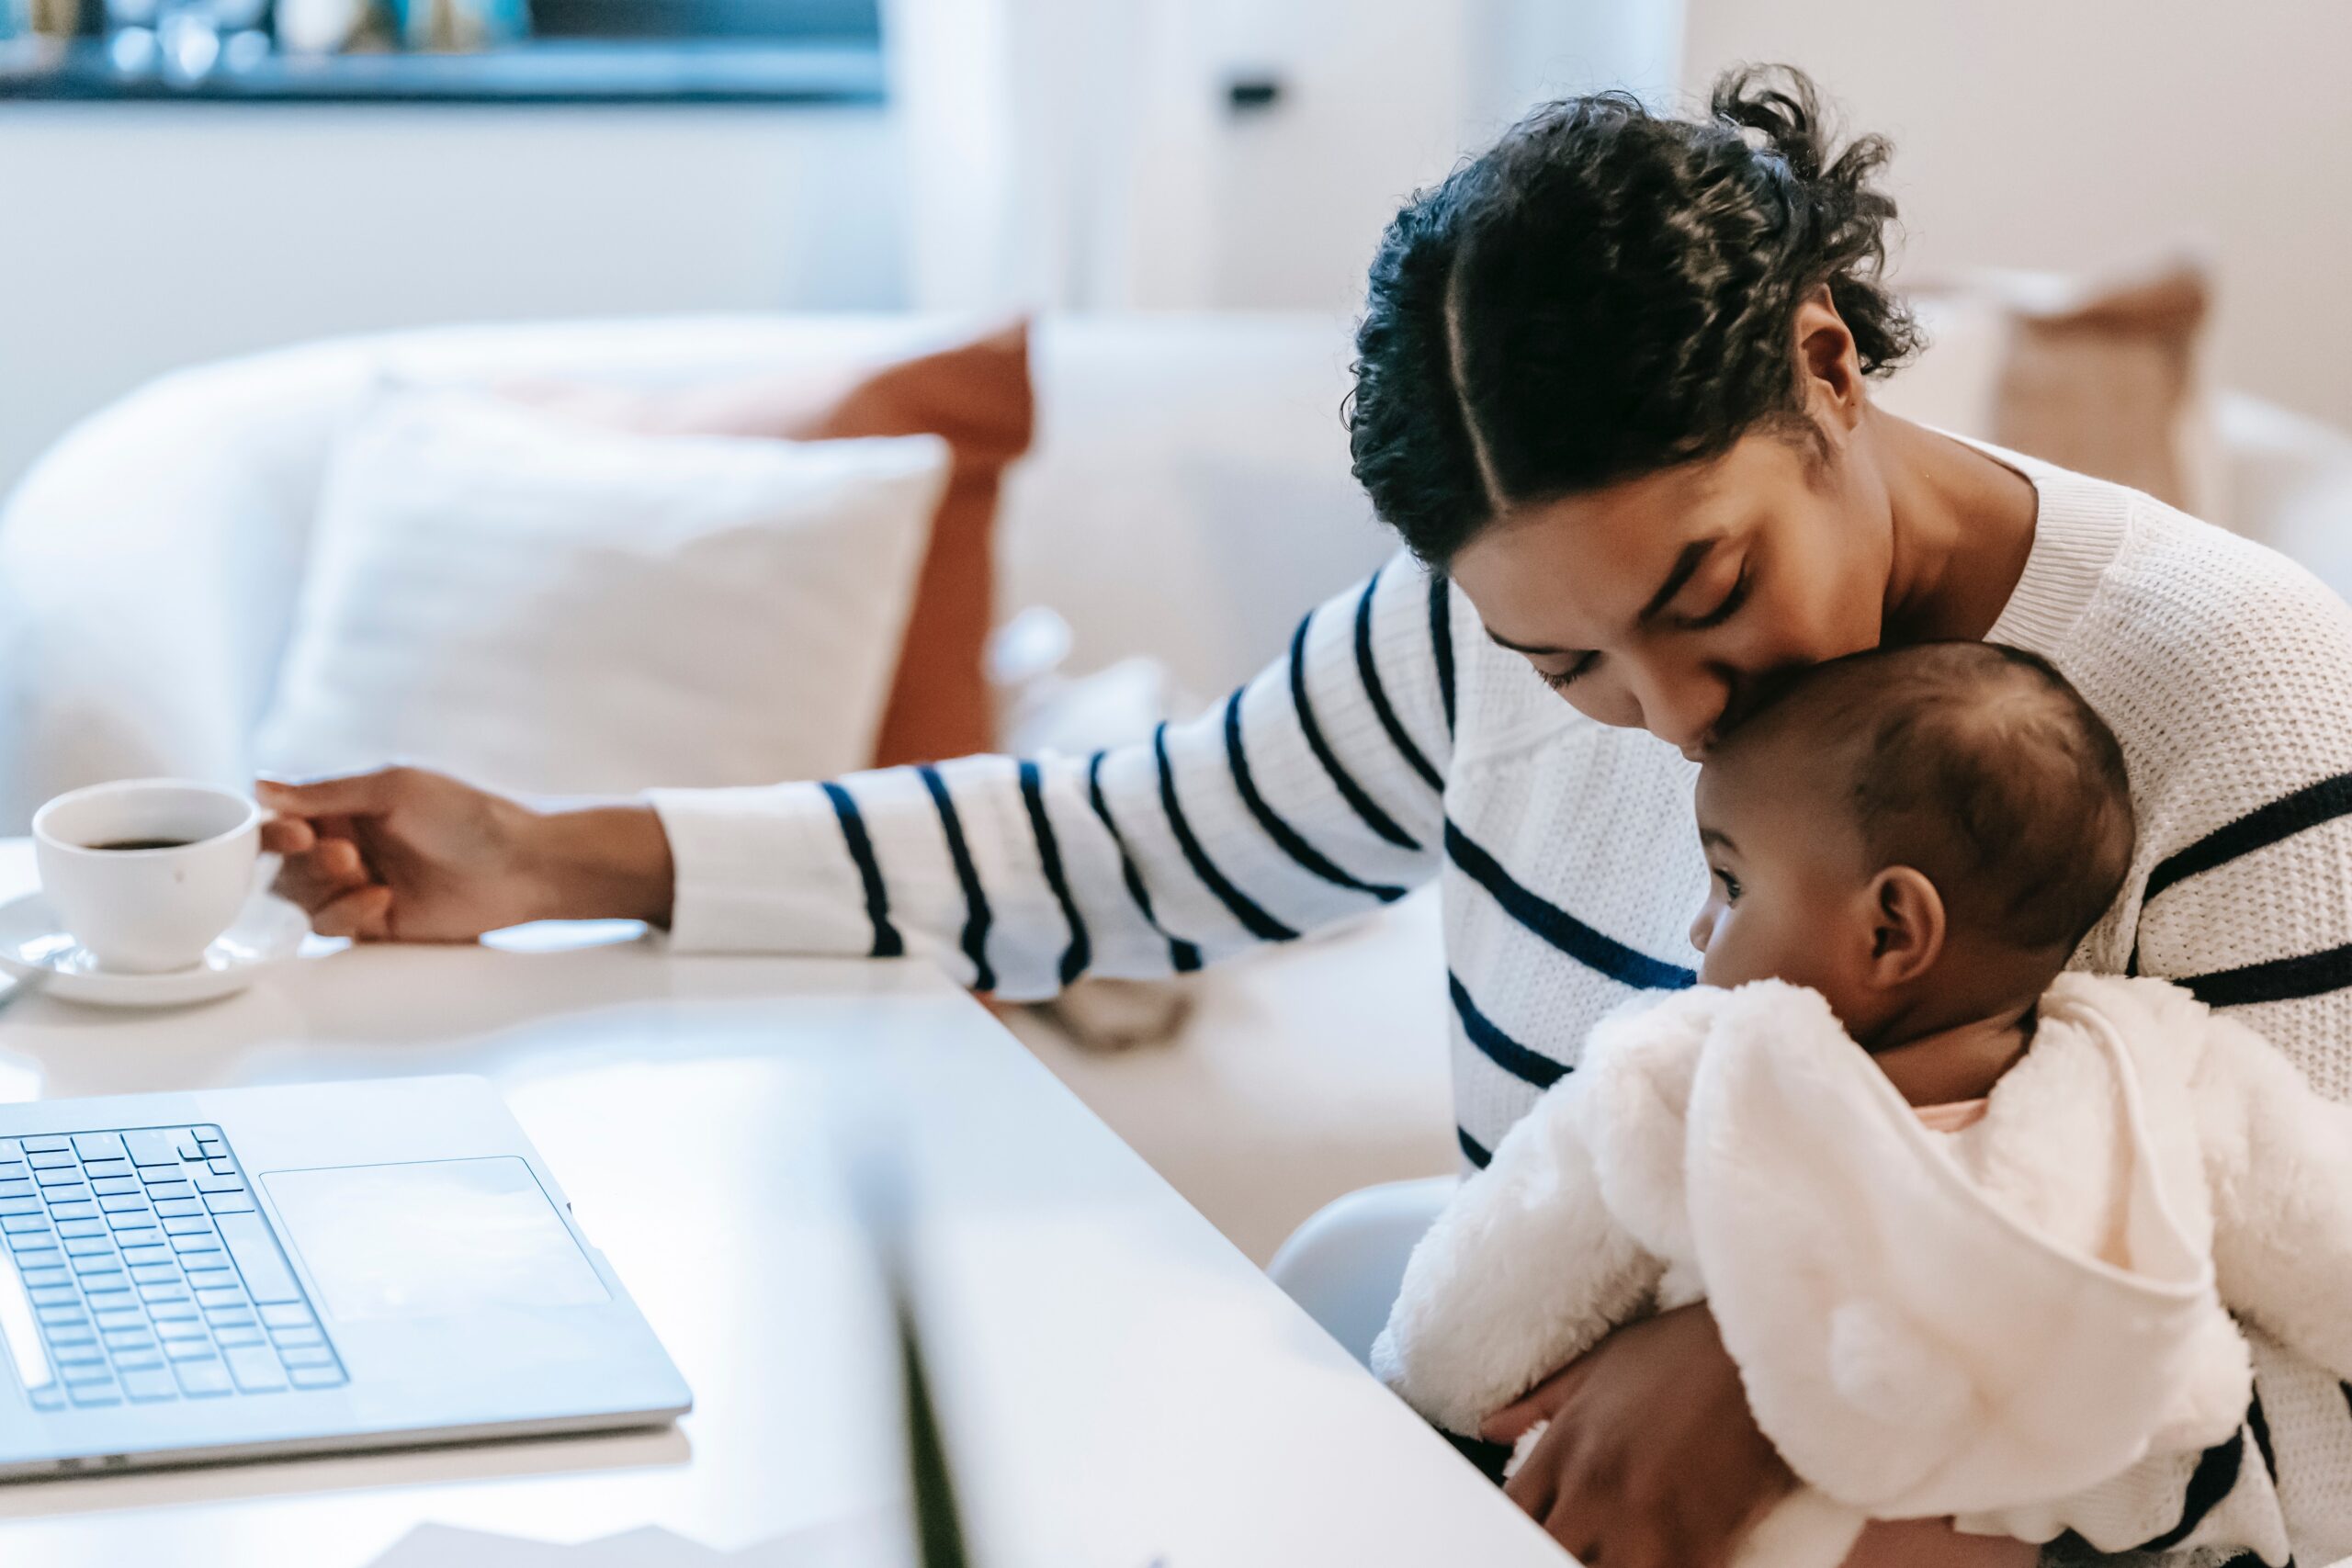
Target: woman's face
[1659,602]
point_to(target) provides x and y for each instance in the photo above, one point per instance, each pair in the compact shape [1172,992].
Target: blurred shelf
[550,71]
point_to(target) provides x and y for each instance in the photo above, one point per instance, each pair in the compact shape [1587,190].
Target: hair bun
[1778,110]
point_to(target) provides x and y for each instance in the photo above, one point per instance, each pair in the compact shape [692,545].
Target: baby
[1972,1227]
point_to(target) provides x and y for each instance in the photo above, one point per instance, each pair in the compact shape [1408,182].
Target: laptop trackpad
[437,1238]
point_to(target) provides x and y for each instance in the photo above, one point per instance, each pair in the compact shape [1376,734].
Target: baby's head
[1921,834]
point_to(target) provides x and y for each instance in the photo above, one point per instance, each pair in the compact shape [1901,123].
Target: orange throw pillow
[977,395]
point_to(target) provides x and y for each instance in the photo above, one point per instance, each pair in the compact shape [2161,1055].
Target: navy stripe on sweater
[1182,954]
[1368,671]
[1285,837]
[1360,803]
[975,901]
[2215,1476]
[1254,920]
[887,943]
[1474,1151]
[1559,927]
[1442,639]
[2278,980]
[1498,1047]
[2306,809]
[1080,952]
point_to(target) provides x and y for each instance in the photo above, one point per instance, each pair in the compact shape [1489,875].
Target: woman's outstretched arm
[1311,794]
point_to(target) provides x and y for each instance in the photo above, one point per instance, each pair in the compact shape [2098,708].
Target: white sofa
[1188,498]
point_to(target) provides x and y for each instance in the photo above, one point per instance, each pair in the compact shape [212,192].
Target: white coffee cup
[148,910]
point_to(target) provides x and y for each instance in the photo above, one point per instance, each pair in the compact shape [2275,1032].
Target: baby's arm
[2280,1159]
[1524,1271]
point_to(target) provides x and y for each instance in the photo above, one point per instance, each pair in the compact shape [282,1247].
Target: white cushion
[551,607]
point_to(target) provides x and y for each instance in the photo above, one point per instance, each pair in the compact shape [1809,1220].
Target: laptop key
[192,1245]
[179,1350]
[36,1278]
[200,1379]
[53,1295]
[176,1205]
[76,1209]
[153,1145]
[47,1143]
[50,1397]
[176,1329]
[24,1221]
[99,1146]
[237,1334]
[150,1384]
[180,1310]
[51,1159]
[221,1182]
[289,1315]
[137,1256]
[69,1228]
[95,1395]
[228,1204]
[185,1224]
[255,1368]
[96,1170]
[203,1273]
[124,1202]
[120,1317]
[221,1296]
[114,1186]
[135,1230]
[287,1338]
[307,1356]
[73,1372]
[315,1377]
[21,1195]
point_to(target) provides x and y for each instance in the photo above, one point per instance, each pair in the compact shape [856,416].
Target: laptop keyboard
[137,1268]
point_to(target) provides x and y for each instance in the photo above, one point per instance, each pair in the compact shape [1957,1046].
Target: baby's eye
[1731,886]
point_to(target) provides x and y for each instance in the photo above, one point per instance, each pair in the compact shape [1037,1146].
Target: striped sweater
[1394,743]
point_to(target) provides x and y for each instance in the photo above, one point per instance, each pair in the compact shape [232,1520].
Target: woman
[1611,392]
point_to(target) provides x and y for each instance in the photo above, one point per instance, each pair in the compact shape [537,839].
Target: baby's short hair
[1978,765]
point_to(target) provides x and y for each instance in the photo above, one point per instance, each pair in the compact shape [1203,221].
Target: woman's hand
[1652,1459]
[406,855]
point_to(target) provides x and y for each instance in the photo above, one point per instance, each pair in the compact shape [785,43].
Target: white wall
[2088,134]
[137,239]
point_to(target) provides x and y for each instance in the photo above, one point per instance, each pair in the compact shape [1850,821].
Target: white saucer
[35,948]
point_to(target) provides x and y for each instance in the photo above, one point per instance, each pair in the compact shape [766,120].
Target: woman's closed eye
[1561,679]
[1724,608]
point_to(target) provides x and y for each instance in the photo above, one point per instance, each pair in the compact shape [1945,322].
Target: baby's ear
[1906,926]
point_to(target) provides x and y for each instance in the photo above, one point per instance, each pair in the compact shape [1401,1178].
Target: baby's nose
[1702,929]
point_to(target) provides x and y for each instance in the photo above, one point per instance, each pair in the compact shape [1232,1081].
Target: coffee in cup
[146,873]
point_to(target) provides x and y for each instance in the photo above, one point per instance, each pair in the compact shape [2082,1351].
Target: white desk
[1120,1385]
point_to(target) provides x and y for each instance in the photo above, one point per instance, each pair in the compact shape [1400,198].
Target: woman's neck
[1962,526]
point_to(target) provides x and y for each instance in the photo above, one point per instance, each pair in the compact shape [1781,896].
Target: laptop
[245,1273]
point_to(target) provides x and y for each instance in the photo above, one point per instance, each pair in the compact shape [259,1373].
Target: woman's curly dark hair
[1606,292]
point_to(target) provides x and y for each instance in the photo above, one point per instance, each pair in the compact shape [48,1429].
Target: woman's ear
[1906,926]
[1828,361]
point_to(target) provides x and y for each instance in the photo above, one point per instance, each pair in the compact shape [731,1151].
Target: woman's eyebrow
[1688,562]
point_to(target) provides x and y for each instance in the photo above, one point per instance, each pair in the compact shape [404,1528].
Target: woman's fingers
[1538,1404]
[365,914]
[287,836]
[325,874]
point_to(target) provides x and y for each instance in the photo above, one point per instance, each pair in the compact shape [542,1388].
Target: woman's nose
[1682,707]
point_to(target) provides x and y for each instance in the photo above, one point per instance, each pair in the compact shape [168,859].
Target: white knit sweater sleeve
[2246,842]
[1311,794]
[2279,1161]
